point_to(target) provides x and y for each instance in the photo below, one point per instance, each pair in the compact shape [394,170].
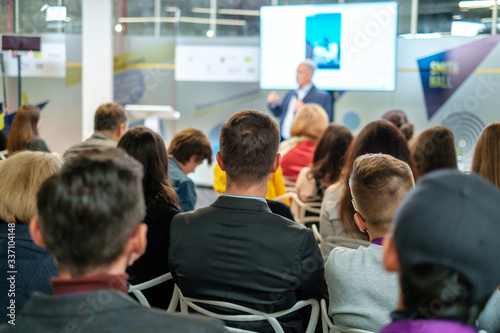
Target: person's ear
[137,243]
[360,223]
[390,258]
[219,161]
[120,130]
[277,163]
[36,233]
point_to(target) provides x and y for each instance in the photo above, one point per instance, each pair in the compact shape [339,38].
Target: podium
[153,115]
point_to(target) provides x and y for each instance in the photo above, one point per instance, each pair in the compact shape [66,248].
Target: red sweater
[299,157]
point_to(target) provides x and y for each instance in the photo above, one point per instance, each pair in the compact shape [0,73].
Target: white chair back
[137,291]
[251,314]
[301,207]
[3,155]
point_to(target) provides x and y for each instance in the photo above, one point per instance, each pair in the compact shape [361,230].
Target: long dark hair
[329,154]
[379,136]
[148,148]
[24,128]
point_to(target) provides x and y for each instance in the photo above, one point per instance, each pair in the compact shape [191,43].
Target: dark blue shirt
[183,185]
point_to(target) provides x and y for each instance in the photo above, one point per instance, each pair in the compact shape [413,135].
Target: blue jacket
[33,265]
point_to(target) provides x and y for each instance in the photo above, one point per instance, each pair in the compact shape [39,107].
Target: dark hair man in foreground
[90,218]
[236,250]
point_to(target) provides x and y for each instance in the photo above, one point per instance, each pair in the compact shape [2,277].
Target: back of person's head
[486,159]
[399,119]
[190,142]
[434,149]
[329,154]
[310,120]
[248,146]
[89,211]
[21,176]
[109,117]
[445,246]
[24,128]
[379,136]
[148,148]
[378,183]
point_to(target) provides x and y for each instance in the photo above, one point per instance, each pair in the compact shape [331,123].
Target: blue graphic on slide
[323,40]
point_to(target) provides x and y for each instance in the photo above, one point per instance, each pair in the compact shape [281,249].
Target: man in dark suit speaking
[237,250]
[294,99]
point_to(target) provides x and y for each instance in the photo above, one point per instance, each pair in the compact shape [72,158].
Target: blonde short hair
[21,176]
[310,120]
[379,182]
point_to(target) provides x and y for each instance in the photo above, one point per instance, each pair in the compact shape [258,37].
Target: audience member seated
[327,163]
[444,248]
[110,123]
[434,149]
[90,219]
[336,218]
[378,184]
[187,150]
[21,175]
[148,148]
[236,250]
[399,119]
[308,126]
[486,158]
[24,131]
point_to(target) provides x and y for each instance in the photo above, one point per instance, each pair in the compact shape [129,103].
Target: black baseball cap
[452,219]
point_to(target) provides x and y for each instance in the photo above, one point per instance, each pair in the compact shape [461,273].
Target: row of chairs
[185,303]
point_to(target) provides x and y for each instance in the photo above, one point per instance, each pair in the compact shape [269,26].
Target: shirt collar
[90,283]
[378,241]
[305,88]
[244,197]
[428,326]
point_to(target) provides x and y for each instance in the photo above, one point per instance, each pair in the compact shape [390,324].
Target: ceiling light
[477,4]
[184,19]
[246,12]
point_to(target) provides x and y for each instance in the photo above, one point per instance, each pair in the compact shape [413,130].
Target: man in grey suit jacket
[237,250]
[90,219]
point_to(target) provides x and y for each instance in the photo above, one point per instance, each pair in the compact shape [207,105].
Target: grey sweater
[362,294]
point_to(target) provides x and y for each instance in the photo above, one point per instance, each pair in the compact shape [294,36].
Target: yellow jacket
[275,187]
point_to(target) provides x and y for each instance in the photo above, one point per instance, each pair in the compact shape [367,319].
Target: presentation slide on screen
[354,45]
